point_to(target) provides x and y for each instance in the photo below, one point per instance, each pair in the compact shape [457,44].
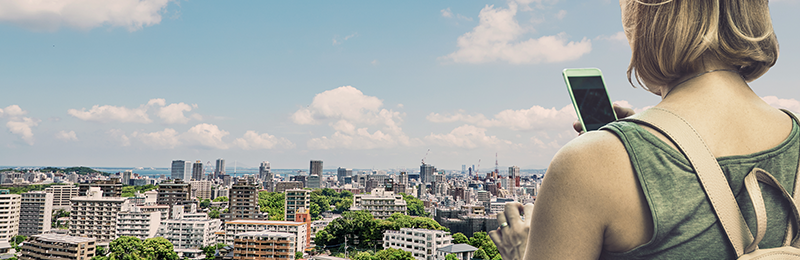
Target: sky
[357,84]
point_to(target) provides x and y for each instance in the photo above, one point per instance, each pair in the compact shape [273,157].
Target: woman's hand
[622,112]
[511,237]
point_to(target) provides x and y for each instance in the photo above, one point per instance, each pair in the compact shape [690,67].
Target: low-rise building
[191,230]
[264,245]
[55,246]
[422,243]
[380,203]
[462,251]
[295,199]
[298,229]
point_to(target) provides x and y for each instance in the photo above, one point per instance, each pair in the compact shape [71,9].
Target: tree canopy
[485,244]
[221,199]
[272,203]
[414,206]
[133,248]
[362,226]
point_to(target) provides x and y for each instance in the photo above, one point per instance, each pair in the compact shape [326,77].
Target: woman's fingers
[512,214]
[622,112]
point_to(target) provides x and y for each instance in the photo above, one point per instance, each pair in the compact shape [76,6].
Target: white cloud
[119,136]
[173,113]
[374,63]
[336,40]
[447,13]
[169,113]
[67,136]
[205,136]
[82,14]
[350,113]
[497,38]
[467,136]
[19,125]
[561,14]
[252,140]
[166,139]
[107,113]
[534,118]
[22,127]
[790,104]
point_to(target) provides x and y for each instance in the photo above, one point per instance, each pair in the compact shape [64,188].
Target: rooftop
[265,234]
[264,222]
[457,248]
[63,238]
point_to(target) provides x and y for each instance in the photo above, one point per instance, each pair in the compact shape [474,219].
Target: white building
[36,213]
[95,216]
[380,203]
[201,189]
[189,230]
[295,199]
[422,243]
[135,223]
[9,215]
[298,229]
[61,195]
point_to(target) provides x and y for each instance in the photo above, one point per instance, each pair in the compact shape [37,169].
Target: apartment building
[380,203]
[243,202]
[298,229]
[295,199]
[161,209]
[189,230]
[111,187]
[136,223]
[9,215]
[95,216]
[282,186]
[36,213]
[422,243]
[173,192]
[264,245]
[56,246]
[61,195]
[201,189]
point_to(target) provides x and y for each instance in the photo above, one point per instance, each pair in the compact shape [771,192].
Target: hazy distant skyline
[139,83]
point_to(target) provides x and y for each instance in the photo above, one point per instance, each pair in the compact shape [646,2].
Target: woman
[625,191]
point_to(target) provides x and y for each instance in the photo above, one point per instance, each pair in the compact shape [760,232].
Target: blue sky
[356,84]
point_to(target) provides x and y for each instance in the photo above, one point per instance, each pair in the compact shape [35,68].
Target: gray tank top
[683,219]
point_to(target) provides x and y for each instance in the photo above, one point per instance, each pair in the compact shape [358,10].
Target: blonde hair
[671,37]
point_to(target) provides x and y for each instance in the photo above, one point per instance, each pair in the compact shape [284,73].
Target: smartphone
[590,98]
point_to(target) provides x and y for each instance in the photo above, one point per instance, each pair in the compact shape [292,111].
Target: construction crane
[496,167]
[426,156]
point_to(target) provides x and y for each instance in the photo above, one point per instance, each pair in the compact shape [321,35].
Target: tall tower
[220,169]
[426,173]
[315,175]
[197,170]
[513,175]
[178,169]
[266,176]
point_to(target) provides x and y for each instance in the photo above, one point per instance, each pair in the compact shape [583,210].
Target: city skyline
[356,85]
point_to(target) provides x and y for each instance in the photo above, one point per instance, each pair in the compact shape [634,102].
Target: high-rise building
[296,199]
[111,187]
[56,246]
[197,171]
[220,169]
[243,201]
[189,230]
[513,175]
[126,177]
[426,173]
[341,173]
[134,222]
[9,215]
[173,192]
[201,189]
[95,215]
[36,212]
[177,169]
[314,182]
[315,168]
[266,176]
[61,195]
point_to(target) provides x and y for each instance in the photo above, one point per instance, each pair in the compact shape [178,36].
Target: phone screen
[592,101]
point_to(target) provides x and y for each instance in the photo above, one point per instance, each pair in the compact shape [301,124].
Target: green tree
[222,199]
[480,254]
[125,248]
[482,241]
[451,257]
[298,255]
[16,240]
[205,203]
[158,248]
[343,204]
[353,224]
[101,251]
[363,256]
[414,206]
[497,257]
[460,238]
[128,191]
[321,201]
[272,203]
[394,254]
[209,251]
[213,214]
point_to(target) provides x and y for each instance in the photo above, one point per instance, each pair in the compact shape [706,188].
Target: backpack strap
[707,168]
[793,230]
